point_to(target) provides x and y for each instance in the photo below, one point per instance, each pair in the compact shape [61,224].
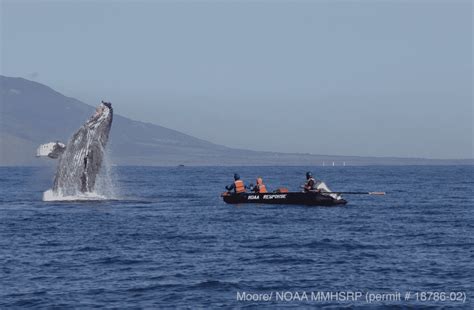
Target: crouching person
[259,187]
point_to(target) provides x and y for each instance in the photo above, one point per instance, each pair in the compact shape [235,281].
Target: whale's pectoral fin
[83,183]
[84,178]
[90,171]
[51,150]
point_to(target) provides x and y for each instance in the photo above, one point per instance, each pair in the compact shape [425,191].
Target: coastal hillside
[33,113]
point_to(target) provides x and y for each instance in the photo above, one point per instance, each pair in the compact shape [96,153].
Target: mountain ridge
[33,113]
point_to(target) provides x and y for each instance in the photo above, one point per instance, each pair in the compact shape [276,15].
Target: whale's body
[80,162]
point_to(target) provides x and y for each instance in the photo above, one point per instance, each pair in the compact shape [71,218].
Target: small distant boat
[290,198]
[180,165]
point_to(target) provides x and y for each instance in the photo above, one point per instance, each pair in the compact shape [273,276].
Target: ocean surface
[168,240]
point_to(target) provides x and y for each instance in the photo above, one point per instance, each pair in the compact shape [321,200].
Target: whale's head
[101,121]
[103,114]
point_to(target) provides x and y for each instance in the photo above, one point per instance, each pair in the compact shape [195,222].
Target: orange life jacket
[239,186]
[260,186]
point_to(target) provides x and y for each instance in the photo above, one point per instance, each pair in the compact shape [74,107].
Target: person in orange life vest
[310,184]
[238,186]
[260,187]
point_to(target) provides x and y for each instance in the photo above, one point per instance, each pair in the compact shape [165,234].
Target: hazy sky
[384,78]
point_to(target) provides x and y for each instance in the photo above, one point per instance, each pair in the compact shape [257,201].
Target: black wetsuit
[310,185]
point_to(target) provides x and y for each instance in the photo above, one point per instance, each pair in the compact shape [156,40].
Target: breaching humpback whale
[81,159]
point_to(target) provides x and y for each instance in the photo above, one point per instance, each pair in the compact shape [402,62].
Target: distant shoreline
[259,165]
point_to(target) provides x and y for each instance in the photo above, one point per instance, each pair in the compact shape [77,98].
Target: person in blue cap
[238,186]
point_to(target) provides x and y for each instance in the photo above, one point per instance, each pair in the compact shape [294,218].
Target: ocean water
[167,240]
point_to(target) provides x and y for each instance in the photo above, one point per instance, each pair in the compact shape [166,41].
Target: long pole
[356,193]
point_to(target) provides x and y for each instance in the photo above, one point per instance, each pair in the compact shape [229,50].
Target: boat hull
[294,198]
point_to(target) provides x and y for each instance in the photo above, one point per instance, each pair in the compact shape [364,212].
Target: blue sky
[378,78]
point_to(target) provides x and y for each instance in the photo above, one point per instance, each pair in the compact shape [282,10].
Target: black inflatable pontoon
[291,198]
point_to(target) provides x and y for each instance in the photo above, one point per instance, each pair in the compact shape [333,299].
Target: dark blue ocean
[169,240]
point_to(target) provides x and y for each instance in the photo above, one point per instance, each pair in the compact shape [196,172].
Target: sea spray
[51,195]
[105,184]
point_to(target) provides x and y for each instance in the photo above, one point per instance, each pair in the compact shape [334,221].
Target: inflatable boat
[290,198]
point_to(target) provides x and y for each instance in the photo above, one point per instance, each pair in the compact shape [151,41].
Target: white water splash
[105,188]
[50,195]
[105,184]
